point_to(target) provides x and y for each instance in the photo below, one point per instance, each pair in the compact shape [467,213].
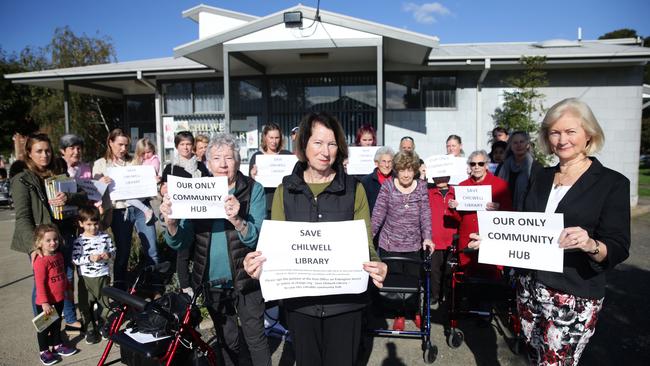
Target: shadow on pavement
[623,330]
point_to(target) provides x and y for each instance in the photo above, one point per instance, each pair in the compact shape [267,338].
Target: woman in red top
[443,228]
[51,284]
[501,201]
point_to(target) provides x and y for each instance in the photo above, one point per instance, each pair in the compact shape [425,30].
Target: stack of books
[61,183]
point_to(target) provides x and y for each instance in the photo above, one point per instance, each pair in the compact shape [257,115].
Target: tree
[46,105]
[522,107]
[14,104]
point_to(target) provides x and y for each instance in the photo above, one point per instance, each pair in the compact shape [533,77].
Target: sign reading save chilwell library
[313,259]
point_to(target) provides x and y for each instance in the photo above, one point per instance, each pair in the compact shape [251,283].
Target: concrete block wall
[614,94]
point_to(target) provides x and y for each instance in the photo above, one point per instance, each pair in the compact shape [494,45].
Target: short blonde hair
[579,109]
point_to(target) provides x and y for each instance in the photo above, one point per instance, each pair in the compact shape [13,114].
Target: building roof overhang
[397,43]
[508,54]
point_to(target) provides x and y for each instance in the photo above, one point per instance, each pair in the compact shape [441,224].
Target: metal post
[159,123]
[226,90]
[66,111]
[380,93]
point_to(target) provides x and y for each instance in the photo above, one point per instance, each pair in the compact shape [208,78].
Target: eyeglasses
[480,163]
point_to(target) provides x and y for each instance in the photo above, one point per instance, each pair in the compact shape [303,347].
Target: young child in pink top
[51,285]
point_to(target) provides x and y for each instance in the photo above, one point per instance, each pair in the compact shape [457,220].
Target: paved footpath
[622,337]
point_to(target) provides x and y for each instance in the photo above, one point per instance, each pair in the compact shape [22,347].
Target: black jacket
[335,203]
[236,249]
[599,202]
[178,171]
[372,186]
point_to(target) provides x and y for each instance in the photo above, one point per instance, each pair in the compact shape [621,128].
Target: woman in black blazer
[558,311]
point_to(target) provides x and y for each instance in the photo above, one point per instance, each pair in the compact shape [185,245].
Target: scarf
[190,165]
[520,185]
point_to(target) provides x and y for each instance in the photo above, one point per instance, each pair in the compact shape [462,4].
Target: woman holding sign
[219,249]
[479,176]
[272,142]
[558,311]
[326,329]
[124,217]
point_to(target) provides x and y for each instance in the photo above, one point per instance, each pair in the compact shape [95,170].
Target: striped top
[403,221]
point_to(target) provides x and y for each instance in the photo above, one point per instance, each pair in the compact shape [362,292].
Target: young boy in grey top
[91,252]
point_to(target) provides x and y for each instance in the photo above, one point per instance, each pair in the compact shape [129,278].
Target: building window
[140,109]
[415,91]
[190,97]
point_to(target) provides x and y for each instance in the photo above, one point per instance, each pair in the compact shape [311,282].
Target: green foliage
[90,116]
[645,135]
[620,33]
[522,108]
[14,104]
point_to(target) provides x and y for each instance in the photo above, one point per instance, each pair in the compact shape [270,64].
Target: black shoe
[92,337]
[104,330]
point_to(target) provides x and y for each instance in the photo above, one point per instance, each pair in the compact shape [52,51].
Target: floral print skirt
[556,326]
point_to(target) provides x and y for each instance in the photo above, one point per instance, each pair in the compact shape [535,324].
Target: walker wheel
[430,353]
[455,338]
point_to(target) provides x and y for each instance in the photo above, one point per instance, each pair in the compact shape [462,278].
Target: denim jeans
[124,220]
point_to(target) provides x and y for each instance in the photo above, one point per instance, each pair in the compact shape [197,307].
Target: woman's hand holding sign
[577,238]
[166,210]
[474,241]
[253,264]
[377,271]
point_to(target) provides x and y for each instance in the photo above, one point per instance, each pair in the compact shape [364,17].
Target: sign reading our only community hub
[521,239]
[313,259]
[197,198]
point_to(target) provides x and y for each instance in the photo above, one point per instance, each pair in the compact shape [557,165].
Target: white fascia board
[318,31]
[193,13]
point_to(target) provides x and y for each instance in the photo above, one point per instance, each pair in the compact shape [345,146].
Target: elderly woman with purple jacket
[402,217]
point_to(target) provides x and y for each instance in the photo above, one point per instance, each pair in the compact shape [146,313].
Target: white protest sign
[361,159]
[272,168]
[197,198]
[133,181]
[521,239]
[93,188]
[447,166]
[473,198]
[313,259]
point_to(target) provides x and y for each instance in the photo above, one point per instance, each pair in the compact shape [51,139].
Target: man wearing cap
[71,148]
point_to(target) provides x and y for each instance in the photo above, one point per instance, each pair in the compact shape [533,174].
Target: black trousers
[51,336]
[329,341]
[225,306]
[438,269]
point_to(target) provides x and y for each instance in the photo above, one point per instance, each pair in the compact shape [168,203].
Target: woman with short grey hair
[383,170]
[220,246]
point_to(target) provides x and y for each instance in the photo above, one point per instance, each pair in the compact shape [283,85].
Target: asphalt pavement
[622,335]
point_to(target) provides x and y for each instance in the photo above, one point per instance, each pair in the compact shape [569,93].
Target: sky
[142,29]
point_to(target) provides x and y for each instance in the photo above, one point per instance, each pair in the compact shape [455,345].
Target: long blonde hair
[39,235]
[141,146]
